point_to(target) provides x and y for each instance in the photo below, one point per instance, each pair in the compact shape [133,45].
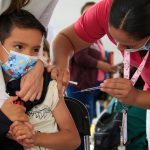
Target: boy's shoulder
[52,96]
[53,85]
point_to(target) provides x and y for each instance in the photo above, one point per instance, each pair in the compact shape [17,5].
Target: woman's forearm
[65,44]
[61,53]
[142,99]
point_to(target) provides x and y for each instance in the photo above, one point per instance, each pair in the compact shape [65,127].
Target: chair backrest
[80,115]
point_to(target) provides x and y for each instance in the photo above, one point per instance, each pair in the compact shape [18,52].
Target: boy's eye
[18,46]
[36,50]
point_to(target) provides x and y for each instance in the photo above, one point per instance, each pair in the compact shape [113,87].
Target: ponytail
[16,5]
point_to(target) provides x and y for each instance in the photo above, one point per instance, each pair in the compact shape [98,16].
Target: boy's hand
[23,133]
[14,112]
[32,83]
[61,75]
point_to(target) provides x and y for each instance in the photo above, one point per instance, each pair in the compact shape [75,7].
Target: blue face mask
[146,46]
[18,64]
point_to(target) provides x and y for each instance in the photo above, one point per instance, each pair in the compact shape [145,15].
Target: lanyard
[127,67]
[134,78]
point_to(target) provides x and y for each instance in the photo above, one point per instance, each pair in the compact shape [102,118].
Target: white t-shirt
[41,116]
[41,9]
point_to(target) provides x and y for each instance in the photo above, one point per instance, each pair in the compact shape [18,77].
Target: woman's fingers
[62,76]
[121,89]
[25,89]
[118,86]
[40,89]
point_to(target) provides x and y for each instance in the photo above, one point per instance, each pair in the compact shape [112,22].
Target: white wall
[68,11]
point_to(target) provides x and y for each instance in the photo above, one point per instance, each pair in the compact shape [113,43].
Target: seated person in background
[52,123]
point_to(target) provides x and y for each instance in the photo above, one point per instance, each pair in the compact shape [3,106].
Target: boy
[21,35]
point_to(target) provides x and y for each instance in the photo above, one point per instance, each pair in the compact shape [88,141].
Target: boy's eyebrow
[17,42]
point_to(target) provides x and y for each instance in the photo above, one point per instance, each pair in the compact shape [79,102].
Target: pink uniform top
[93,25]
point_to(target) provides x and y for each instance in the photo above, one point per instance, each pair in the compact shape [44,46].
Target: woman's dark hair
[85,5]
[16,5]
[20,19]
[131,16]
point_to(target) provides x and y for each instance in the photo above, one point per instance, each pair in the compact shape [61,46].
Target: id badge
[121,148]
[124,126]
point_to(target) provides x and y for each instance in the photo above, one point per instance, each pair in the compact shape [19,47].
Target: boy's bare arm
[67,131]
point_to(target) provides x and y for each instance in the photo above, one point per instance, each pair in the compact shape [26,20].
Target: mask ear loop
[41,47]
[41,57]
[4,48]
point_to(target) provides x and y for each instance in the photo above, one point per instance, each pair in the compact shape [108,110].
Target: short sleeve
[45,17]
[93,24]
[4,5]
[52,97]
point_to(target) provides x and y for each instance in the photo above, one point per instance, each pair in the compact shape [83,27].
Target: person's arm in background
[87,59]
[90,58]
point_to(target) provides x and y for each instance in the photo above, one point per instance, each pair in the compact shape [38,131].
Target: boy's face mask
[18,64]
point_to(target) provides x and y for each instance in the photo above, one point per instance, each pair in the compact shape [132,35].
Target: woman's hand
[61,75]
[14,112]
[32,83]
[120,88]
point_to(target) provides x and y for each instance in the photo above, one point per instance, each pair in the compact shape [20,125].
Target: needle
[72,82]
[89,89]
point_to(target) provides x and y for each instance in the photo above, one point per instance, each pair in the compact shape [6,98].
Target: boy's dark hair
[85,5]
[20,19]
[131,16]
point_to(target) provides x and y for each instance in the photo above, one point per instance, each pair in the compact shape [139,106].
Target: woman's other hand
[32,83]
